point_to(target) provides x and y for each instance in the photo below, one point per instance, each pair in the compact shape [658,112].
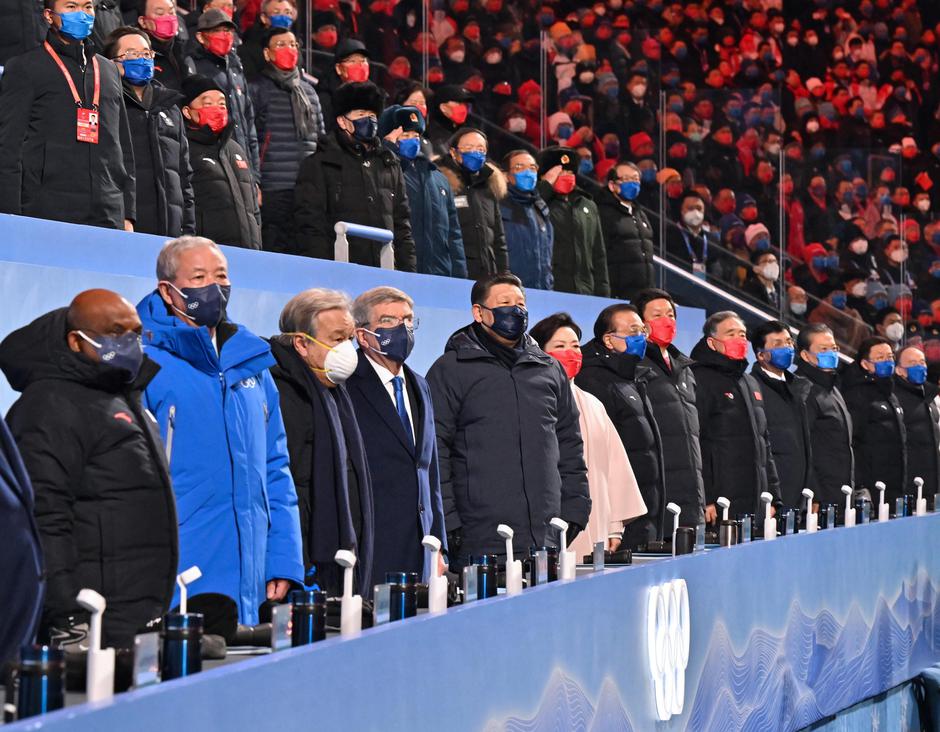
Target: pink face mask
[165,26]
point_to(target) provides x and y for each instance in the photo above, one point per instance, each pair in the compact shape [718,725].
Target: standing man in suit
[394,410]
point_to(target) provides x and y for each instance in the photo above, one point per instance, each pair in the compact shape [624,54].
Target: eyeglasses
[519,167]
[391,321]
[133,55]
[465,150]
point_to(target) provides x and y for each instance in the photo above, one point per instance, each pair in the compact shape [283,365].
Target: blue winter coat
[434,222]
[529,237]
[235,498]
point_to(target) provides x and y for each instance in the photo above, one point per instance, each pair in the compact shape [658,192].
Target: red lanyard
[68,77]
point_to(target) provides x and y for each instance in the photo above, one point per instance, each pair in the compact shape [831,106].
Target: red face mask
[357,72]
[215,118]
[725,206]
[285,58]
[570,360]
[474,85]
[564,183]
[460,6]
[674,190]
[662,331]
[435,76]
[494,6]
[749,213]
[230,12]
[219,43]
[326,39]
[458,113]
[399,70]
[925,319]
[503,88]
[472,33]
[165,26]
[735,348]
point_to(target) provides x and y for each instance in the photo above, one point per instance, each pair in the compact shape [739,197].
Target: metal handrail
[344,229]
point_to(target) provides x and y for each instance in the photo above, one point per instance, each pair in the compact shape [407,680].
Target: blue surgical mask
[762,245]
[833,261]
[827,360]
[509,321]
[204,305]
[473,160]
[138,71]
[525,180]
[629,190]
[880,303]
[281,21]
[395,343]
[782,358]
[123,352]
[77,24]
[884,369]
[408,149]
[917,374]
[585,166]
[636,344]
[365,128]
[838,301]
[648,175]
[563,132]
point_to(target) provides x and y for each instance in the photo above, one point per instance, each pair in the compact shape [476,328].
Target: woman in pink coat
[615,496]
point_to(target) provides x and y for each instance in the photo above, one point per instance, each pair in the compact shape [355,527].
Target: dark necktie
[398,383]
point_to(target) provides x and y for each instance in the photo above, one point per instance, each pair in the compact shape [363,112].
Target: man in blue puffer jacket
[434,222]
[220,419]
[530,237]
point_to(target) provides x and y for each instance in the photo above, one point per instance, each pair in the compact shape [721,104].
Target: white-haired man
[220,417]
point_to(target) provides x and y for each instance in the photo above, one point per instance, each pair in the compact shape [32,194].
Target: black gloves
[572,532]
[454,542]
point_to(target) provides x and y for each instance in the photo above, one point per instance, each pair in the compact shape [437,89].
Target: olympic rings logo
[668,633]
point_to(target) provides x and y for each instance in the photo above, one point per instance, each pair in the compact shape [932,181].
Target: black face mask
[509,321]
[365,128]
[395,343]
[204,305]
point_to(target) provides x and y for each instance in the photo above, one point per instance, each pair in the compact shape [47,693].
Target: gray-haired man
[394,409]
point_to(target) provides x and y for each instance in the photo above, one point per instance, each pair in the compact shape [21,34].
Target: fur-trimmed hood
[489,175]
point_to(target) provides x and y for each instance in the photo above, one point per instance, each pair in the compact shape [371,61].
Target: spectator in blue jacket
[527,223]
[434,222]
[289,122]
[220,418]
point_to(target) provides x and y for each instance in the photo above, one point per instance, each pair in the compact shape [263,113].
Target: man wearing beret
[353,177]
[579,258]
[434,221]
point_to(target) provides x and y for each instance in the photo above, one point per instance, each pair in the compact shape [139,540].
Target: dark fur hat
[358,95]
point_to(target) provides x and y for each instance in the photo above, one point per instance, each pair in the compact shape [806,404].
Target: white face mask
[638,91]
[693,218]
[341,362]
[771,271]
[457,57]
[773,149]
[586,77]
[895,332]
[494,58]
[517,125]
[859,289]
[898,256]
[923,205]
[859,246]
[798,308]
[812,126]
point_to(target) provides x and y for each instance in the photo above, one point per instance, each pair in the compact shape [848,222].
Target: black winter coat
[477,198]
[227,72]
[104,502]
[281,150]
[830,427]
[621,383]
[923,433]
[22,27]
[171,65]
[878,433]
[165,204]
[107,19]
[736,457]
[790,440]
[347,181]
[226,202]
[672,394]
[44,171]
[628,237]
[509,446]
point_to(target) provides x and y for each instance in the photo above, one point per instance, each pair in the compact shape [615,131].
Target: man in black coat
[315,356]
[224,191]
[165,204]
[612,370]
[21,28]
[921,418]
[785,396]
[878,433]
[671,391]
[448,114]
[104,503]
[737,462]
[627,233]
[394,410]
[352,177]
[159,20]
[478,188]
[828,418]
[508,440]
[47,171]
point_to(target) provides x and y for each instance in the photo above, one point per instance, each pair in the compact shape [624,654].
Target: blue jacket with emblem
[530,237]
[221,417]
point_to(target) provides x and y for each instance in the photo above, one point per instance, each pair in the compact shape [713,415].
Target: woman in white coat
[615,495]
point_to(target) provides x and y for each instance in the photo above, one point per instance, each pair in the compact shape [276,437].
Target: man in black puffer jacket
[671,391]
[21,27]
[353,178]
[226,206]
[165,204]
[104,503]
[627,233]
[921,416]
[289,123]
[612,371]
[736,459]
